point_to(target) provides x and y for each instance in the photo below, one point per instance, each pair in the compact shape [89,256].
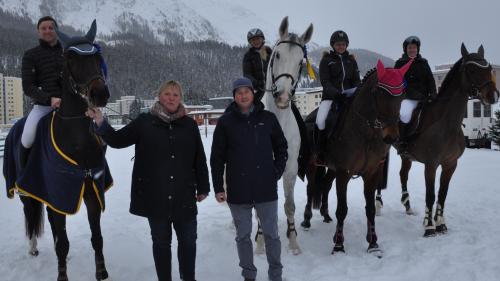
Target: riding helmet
[255,32]
[339,36]
[411,40]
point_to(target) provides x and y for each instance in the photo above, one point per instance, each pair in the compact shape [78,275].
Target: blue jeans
[161,233]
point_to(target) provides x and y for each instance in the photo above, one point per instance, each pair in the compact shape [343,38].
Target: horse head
[478,76]
[388,93]
[84,67]
[286,64]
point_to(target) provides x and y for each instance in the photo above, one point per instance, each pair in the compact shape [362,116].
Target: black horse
[439,139]
[358,146]
[71,152]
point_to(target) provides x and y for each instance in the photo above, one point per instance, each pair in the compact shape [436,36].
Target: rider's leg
[29,131]
[320,143]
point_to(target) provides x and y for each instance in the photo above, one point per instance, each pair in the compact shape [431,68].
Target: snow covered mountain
[194,20]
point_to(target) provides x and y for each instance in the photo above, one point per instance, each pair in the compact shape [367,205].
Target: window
[476,109]
[487,111]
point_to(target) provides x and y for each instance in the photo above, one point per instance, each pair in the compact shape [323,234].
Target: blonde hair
[170,83]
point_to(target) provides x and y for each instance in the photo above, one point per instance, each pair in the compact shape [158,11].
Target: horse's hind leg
[446,173]
[430,197]
[341,213]
[94,217]
[33,215]
[58,226]
[326,186]
[370,183]
[403,174]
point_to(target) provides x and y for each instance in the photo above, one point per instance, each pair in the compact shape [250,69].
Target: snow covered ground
[470,250]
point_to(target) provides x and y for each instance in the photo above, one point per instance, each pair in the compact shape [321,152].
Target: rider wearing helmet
[339,76]
[420,81]
[256,60]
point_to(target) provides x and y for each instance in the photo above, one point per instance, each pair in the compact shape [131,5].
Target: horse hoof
[441,229]
[260,250]
[338,249]
[306,225]
[327,219]
[102,275]
[374,250]
[295,251]
[410,212]
[62,276]
[430,232]
[34,253]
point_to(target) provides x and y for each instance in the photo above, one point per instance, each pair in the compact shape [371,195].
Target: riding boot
[23,155]
[321,147]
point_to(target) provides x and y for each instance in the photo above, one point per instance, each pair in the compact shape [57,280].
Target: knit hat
[242,82]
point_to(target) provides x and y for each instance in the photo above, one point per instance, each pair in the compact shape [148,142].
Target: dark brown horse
[439,140]
[361,140]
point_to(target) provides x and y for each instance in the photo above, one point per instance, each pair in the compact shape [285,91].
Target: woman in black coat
[170,175]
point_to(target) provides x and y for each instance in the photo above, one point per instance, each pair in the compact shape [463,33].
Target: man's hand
[201,197]
[55,102]
[95,114]
[220,197]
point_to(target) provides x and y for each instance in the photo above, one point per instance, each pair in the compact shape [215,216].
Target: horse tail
[33,216]
[317,187]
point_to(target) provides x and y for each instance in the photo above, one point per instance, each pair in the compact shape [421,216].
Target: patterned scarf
[158,110]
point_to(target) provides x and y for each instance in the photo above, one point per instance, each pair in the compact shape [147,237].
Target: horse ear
[405,68]
[480,51]
[306,37]
[92,32]
[63,38]
[380,69]
[464,51]
[284,28]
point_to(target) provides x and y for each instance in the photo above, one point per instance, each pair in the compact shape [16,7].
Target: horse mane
[367,78]
[449,77]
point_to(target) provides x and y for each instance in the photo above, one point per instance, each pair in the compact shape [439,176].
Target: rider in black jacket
[40,72]
[256,60]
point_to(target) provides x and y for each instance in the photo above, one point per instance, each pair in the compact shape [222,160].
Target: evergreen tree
[494,132]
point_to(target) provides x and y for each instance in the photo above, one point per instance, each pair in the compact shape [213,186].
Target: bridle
[274,79]
[476,89]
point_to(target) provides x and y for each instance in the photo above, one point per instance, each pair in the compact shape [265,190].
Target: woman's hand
[96,114]
[201,197]
[220,197]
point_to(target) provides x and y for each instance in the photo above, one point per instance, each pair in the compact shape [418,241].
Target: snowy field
[470,251]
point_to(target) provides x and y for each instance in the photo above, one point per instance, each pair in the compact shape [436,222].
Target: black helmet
[255,32]
[411,40]
[339,36]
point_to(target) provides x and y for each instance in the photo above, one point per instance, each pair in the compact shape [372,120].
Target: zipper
[343,74]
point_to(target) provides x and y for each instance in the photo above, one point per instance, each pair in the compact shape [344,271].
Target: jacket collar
[233,108]
[44,44]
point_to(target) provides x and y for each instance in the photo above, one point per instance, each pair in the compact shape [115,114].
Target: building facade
[11,99]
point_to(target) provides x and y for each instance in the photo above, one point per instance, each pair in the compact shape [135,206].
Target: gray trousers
[268,216]
[29,131]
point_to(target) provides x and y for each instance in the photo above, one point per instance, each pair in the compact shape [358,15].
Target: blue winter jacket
[254,150]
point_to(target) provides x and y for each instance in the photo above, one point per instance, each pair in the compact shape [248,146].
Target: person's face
[412,50]
[257,42]
[244,98]
[46,32]
[170,98]
[340,47]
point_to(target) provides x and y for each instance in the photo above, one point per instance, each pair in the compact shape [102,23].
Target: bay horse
[439,139]
[368,124]
[282,77]
[66,151]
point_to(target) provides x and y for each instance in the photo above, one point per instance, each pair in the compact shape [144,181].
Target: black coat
[255,68]
[170,167]
[419,78]
[254,150]
[338,73]
[41,71]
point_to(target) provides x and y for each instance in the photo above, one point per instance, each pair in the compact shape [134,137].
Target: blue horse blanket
[50,176]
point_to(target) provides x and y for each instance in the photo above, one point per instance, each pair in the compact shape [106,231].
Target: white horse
[282,76]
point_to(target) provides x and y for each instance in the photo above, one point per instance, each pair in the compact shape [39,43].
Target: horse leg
[341,213]
[446,173]
[370,183]
[326,186]
[311,183]
[33,217]
[291,233]
[403,174]
[94,217]
[430,197]
[58,226]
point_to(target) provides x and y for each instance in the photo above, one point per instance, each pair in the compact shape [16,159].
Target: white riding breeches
[29,131]
[407,107]
[324,108]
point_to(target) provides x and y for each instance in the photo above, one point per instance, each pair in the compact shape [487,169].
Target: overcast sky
[382,25]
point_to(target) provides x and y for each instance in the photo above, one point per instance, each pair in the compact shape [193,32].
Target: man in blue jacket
[249,143]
